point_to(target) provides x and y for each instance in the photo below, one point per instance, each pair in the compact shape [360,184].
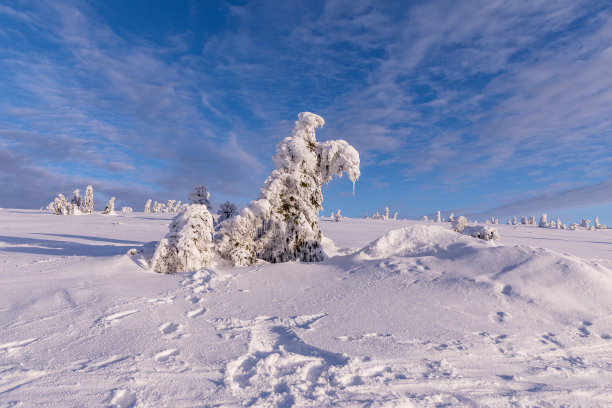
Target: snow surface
[401,313]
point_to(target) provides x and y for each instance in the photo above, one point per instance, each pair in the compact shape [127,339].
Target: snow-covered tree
[558,223]
[110,207]
[524,221]
[226,211]
[395,215]
[88,205]
[514,221]
[177,207]
[155,208]
[170,205]
[338,216]
[543,221]
[377,216]
[585,223]
[188,245]
[76,200]
[483,232]
[200,195]
[283,225]
[438,217]
[531,220]
[147,207]
[424,218]
[386,214]
[126,210]
[451,217]
[459,223]
[573,226]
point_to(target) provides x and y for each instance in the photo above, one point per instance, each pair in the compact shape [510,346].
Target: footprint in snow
[165,355]
[122,399]
[196,312]
[169,328]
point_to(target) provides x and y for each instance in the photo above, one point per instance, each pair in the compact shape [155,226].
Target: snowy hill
[401,313]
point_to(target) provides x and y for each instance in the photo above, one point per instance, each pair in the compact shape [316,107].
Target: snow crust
[400,313]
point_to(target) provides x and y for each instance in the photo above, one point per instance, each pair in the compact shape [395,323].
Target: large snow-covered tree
[188,245]
[282,225]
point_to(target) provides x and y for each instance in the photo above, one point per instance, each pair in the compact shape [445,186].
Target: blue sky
[476,107]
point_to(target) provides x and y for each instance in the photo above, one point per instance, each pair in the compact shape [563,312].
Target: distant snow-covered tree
[126,210]
[543,221]
[558,223]
[386,214]
[155,208]
[514,221]
[177,207]
[188,245]
[88,205]
[424,218]
[531,220]
[451,217]
[110,207]
[338,216]
[438,217]
[377,216]
[170,205]
[524,221]
[62,206]
[147,207]
[226,211]
[200,195]
[573,226]
[76,200]
[395,215]
[282,225]
[585,223]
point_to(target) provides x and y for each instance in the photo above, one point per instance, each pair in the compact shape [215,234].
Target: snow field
[418,316]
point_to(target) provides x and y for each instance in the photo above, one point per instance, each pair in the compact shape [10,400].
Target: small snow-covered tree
[424,218]
[226,211]
[395,215]
[386,214]
[558,223]
[155,208]
[543,221]
[283,225]
[126,210]
[110,207]
[514,221]
[177,207]
[451,217]
[188,245]
[438,217]
[170,205]
[338,216]
[88,205]
[200,195]
[585,223]
[76,200]
[147,207]
[62,206]
[51,207]
[459,223]
[377,216]
[573,226]
[531,220]
[524,221]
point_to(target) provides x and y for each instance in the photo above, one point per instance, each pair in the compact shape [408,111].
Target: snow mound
[417,240]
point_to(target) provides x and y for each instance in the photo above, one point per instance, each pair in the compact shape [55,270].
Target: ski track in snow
[275,363]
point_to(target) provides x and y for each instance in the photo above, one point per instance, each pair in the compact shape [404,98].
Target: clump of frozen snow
[483,232]
[458,223]
[188,245]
